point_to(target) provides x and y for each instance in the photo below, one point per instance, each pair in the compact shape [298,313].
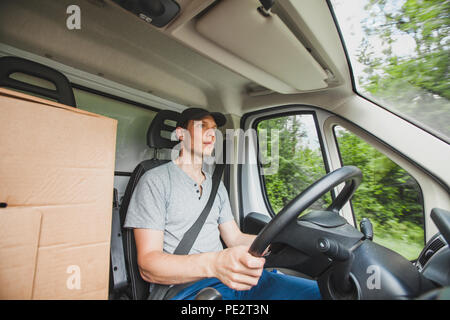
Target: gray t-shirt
[167,199]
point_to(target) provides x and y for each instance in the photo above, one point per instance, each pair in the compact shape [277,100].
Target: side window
[293,144]
[389,196]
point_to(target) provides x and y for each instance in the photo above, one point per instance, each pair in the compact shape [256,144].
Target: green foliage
[416,84]
[388,196]
[300,160]
[428,23]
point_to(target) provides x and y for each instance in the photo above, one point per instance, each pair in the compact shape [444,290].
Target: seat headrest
[10,65]
[161,124]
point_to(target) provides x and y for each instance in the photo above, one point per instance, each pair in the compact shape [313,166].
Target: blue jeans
[271,286]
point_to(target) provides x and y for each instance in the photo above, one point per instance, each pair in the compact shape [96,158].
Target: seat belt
[118,268]
[190,236]
[159,291]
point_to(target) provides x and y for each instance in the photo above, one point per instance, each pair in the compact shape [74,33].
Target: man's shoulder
[222,191]
[160,172]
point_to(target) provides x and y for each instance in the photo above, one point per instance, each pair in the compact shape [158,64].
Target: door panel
[254,222]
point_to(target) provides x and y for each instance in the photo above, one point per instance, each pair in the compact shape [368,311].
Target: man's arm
[235,267]
[232,236]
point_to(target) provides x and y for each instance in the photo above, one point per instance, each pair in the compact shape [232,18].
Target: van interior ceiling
[199,58]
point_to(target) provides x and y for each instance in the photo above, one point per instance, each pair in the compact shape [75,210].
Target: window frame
[338,150]
[259,166]
[113,97]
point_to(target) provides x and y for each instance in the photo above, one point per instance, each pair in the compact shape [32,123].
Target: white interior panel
[266,42]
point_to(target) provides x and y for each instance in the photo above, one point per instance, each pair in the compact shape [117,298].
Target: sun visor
[263,41]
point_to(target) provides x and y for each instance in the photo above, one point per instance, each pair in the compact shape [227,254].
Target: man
[167,201]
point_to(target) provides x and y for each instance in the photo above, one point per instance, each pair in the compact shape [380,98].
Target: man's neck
[192,165]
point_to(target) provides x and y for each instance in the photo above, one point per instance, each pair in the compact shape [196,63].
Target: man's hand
[238,269]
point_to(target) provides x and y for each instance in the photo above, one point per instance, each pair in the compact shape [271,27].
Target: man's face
[202,135]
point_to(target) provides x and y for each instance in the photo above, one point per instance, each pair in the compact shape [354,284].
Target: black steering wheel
[351,175]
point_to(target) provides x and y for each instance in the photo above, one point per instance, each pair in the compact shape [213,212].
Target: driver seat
[138,288]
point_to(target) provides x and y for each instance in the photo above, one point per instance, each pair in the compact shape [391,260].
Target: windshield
[399,53]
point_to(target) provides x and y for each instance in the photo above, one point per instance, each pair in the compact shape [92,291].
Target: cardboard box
[56,175]
[19,238]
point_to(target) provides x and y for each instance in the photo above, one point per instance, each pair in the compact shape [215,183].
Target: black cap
[199,113]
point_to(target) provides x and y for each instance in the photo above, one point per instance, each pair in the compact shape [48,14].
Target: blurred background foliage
[388,196]
[401,62]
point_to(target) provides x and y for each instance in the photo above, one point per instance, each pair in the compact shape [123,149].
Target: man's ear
[179,131]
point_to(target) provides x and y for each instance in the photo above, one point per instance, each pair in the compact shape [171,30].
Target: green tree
[388,196]
[418,83]
[300,163]
[428,22]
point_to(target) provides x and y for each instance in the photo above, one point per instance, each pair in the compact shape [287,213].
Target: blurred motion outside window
[399,53]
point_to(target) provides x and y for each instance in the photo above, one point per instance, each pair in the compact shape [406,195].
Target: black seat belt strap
[190,236]
[118,268]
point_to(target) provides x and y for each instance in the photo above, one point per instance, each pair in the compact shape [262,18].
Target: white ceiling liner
[265,42]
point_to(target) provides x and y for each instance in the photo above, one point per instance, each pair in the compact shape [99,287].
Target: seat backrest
[63,92]
[138,288]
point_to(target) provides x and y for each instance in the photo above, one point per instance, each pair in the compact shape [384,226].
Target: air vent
[434,246]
